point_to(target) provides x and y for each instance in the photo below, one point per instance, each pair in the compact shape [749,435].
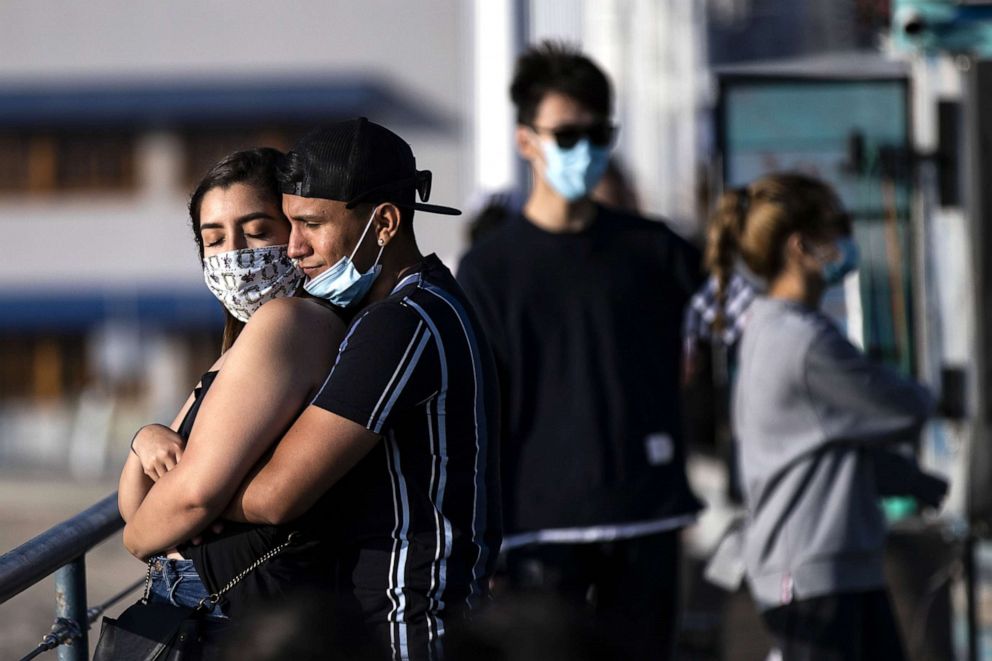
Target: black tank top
[222,556]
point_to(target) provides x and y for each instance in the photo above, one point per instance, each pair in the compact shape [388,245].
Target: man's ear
[526,147]
[387,223]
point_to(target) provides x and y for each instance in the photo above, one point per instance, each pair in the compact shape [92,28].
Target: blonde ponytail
[723,245]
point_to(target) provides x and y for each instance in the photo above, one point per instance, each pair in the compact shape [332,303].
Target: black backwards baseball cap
[357,161]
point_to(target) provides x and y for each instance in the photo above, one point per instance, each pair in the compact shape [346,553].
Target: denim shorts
[176,582]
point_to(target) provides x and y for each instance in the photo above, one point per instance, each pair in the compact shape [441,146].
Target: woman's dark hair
[253,167]
[554,66]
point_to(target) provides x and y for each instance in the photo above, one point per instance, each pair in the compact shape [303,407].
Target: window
[48,161]
[95,162]
[41,366]
[15,162]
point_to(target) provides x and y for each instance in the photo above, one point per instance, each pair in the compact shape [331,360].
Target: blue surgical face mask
[846,261]
[342,284]
[573,172]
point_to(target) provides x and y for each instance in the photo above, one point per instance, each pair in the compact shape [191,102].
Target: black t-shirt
[418,519]
[585,328]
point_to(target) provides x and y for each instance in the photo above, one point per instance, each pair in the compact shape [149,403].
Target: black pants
[841,627]
[631,585]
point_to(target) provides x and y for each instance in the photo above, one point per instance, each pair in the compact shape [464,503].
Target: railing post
[971,587]
[70,604]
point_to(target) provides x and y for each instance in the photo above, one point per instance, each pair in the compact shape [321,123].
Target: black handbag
[153,631]
[147,631]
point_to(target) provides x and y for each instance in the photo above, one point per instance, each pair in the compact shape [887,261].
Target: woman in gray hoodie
[816,422]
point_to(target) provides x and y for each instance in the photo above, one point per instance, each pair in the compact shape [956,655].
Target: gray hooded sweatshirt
[810,412]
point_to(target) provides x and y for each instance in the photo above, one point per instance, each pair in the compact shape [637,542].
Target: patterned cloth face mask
[242,280]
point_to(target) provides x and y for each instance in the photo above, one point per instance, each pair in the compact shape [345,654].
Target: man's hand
[158,448]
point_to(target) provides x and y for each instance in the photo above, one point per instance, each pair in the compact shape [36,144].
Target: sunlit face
[324,231]
[238,217]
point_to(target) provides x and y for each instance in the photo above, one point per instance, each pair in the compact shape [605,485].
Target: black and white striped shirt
[419,518]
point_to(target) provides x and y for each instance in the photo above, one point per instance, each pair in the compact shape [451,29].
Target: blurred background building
[110,114]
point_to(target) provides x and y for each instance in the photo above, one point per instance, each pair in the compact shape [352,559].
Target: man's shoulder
[439,302]
[422,301]
[654,228]
[436,299]
[390,317]
[491,248]
[653,243]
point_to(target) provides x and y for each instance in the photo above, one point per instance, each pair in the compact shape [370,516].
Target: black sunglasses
[600,134]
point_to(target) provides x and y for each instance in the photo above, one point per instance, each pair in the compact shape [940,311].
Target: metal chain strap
[211,600]
[148,584]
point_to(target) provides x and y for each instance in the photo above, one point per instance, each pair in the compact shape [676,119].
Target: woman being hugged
[816,422]
[178,479]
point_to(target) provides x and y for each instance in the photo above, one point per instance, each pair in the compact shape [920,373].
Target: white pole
[496,39]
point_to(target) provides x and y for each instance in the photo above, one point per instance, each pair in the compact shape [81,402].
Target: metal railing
[62,550]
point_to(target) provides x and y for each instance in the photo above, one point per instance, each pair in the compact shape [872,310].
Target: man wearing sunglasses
[582,304]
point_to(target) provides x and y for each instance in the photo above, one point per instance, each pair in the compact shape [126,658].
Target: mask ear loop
[382,247]
[362,238]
